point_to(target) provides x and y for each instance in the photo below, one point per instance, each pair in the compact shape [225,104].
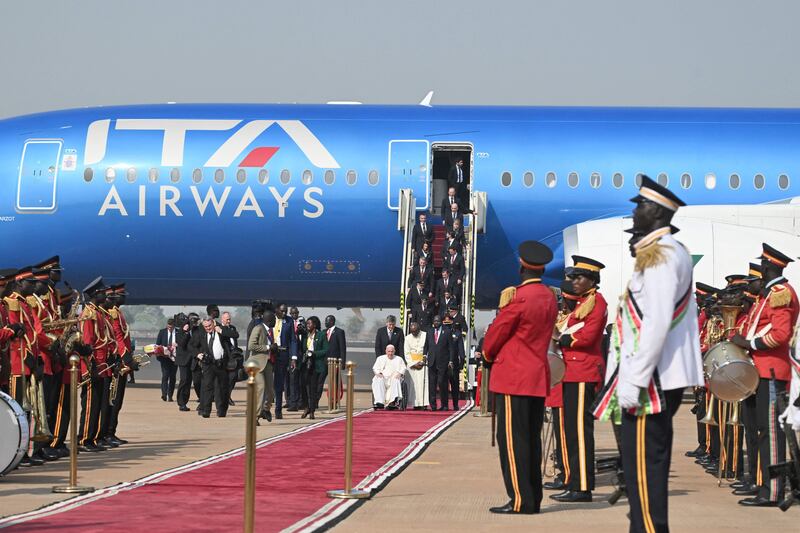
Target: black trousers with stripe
[733,436]
[105,410]
[558,432]
[91,393]
[519,440]
[61,417]
[117,406]
[646,458]
[579,433]
[748,418]
[771,439]
[17,392]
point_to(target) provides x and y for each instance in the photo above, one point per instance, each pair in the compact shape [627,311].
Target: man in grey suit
[262,348]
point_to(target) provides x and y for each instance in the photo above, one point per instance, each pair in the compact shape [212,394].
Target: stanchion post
[331,392]
[349,492]
[250,446]
[484,411]
[73,487]
[337,381]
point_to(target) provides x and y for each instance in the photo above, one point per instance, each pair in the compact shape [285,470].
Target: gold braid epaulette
[114,313]
[585,307]
[650,256]
[780,296]
[507,296]
[88,313]
[12,304]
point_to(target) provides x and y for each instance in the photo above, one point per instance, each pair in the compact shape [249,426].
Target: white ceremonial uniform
[387,387]
[672,349]
[418,384]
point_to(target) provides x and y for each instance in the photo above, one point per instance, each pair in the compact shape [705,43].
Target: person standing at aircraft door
[655,356]
[451,217]
[457,179]
[581,345]
[516,347]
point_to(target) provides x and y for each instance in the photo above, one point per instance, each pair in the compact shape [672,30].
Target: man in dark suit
[451,216]
[286,339]
[457,178]
[422,272]
[449,241]
[454,262]
[337,348]
[167,339]
[439,350]
[185,359]
[446,284]
[451,198]
[455,323]
[389,335]
[416,294]
[421,233]
[212,350]
[422,313]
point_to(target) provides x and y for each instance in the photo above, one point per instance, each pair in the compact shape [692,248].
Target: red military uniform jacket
[94,332]
[770,326]
[20,313]
[40,309]
[584,356]
[517,341]
[122,339]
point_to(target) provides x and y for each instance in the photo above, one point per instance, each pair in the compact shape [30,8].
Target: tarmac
[449,487]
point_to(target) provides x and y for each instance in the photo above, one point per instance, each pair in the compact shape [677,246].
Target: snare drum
[732,375]
[13,434]
[555,359]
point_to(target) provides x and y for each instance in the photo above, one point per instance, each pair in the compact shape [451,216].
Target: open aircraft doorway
[444,157]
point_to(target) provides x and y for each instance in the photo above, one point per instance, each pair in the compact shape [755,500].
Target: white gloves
[628,395]
[791,415]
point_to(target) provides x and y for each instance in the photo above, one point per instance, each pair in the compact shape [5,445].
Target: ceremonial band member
[656,343]
[516,347]
[124,350]
[582,346]
[770,327]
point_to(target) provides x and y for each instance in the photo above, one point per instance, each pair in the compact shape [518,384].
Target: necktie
[271,335]
[169,339]
[436,337]
[459,174]
[423,228]
[330,331]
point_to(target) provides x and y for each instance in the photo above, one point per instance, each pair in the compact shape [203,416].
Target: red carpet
[293,472]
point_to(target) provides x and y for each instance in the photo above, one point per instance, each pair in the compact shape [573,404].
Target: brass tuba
[41,429]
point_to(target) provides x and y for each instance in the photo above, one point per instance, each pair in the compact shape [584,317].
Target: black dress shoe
[49,454]
[741,484]
[163,397]
[305,414]
[89,447]
[62,451]
[757,501]
[278,416]
[311,415]
[746,491]
[108,441]
[33,461]
[573,496]
[557,484]
[183,408]
[379,406]
[697,452]
[509,509]
[231,402]
[169,399]
[221,415]
[267,415]
[117,441]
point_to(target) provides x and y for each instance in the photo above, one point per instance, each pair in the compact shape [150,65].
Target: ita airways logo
[236,146]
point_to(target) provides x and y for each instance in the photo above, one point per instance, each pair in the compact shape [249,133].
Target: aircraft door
[408,169]
[38,173]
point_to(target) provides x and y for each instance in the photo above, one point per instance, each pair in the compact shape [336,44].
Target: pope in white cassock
[387,383]
[414,346]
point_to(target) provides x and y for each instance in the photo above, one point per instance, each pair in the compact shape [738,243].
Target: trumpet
[86,377]
[65,323]
[142,359]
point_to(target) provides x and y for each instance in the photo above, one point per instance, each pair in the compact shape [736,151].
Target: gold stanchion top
[74,360]
[251,367]
[351,365]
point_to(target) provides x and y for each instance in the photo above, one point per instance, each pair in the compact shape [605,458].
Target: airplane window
[734,181]
[505,179]
[527,179]
[131,174]
[352,177]
[197,175]
[783,182]
[285,176]
[618,180]
[307,177]
[330,177]
[594,180]
[175,175]
[686,180]
[711,180]
[111,175]
[152,175]
[372,177]
[88,174]
[758,181]
[219,175]
[550,180]
[663,179]
[263,176]
[241,175]
[573,179]
[638,180]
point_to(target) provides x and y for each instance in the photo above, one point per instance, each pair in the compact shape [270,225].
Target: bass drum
[731,374]
[14,436]
[557,366]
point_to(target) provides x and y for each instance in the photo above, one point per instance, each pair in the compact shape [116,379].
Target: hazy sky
[56,54]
